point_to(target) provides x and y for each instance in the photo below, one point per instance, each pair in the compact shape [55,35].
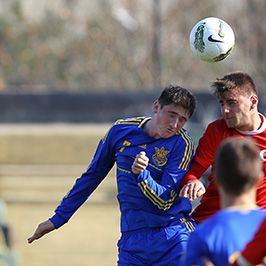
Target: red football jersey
[215,133]
[255,251]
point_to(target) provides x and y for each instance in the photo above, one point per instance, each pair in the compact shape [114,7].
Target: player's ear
[254,101]
[155,106]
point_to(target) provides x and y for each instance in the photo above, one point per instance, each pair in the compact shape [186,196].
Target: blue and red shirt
[224,234]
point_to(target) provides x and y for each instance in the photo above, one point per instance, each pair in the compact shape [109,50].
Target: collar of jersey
[242,207]
[143,122]
[258,131]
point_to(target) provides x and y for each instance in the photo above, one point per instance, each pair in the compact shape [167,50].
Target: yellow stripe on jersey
[188,150]
[124,170]
[144,121]
[130,121]
[133,120]
[189,225]
[155,167]
[235,257]
[154,198]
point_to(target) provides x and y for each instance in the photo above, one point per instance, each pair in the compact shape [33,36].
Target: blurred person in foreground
[152,155]
[255,251]
[238,171]
[239,100]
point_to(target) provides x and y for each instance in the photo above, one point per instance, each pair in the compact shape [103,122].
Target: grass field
[88,239]
[38,166]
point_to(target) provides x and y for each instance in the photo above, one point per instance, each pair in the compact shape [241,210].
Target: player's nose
[225,109]
[175,123]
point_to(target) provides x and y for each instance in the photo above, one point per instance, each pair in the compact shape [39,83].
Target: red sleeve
[205,151]
[195,172]
[255,250]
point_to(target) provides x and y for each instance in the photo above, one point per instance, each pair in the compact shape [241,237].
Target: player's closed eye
[232,103]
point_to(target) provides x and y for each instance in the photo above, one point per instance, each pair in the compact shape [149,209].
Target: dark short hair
[238,166]
[179,96]
[232,81]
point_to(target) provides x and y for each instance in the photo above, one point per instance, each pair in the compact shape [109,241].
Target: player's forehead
[233,94]
[176,109]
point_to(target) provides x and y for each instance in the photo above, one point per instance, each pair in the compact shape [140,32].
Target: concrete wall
[94,107]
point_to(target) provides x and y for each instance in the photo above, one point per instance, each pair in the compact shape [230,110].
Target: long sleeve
[101,164]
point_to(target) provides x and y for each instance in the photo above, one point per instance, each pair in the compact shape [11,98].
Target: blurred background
[68,69]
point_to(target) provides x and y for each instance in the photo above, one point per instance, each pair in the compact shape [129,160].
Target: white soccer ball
[212,39]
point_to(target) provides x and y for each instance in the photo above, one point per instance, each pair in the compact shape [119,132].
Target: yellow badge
[160,156]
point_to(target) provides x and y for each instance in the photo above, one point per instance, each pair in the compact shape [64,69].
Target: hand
[192,190]
[140,163]
[42,229]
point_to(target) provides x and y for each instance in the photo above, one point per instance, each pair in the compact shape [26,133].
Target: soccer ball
[212,39]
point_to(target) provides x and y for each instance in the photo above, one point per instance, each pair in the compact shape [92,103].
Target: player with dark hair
[238,170]
[152,155]
[238,99]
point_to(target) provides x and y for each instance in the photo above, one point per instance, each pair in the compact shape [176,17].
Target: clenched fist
[140,163]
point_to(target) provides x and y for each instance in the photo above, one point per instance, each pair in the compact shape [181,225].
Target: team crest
[160,156]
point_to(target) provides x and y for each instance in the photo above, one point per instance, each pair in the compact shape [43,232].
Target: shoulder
[125,126]
[128,123]
[209,226]
[182,142]
[217,130]
[132,121]
[184,136]
[217,124]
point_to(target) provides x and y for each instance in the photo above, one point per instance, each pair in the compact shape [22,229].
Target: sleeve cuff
[142,176]
[57,220]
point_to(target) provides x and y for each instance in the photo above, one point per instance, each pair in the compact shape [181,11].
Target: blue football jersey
[222,235]
[149,199]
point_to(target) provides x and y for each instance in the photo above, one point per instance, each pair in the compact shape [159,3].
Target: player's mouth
[170,130]
[229,118]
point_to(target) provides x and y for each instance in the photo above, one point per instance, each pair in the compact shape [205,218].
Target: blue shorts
[155,246]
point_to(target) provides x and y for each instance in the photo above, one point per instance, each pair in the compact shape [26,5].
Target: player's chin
[230,124]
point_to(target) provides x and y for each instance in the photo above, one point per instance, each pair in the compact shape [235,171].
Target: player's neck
[254,122]
[232,201]
[257,121]
[150,129]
